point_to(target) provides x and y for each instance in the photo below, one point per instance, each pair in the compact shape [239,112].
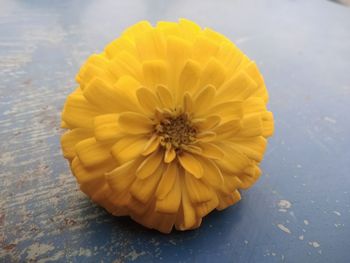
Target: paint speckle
[306,222]
[284,204]
[337,213]
[172,242]
[330,120]
[301,237]
[246,242]
[6,158]
[283,228]
[133,255]
[299,166]
[314,244]
[37,249]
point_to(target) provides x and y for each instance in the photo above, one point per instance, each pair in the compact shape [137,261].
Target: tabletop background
[298,211]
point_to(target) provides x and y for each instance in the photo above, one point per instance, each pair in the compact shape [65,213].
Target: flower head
[167,124]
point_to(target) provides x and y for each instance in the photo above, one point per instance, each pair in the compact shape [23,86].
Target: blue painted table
[298,212]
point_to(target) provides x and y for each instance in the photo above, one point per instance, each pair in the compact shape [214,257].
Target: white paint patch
[314,244]
[84,252]
[283,228]
[337,213]
[246,242]
[330,120]
[306,222]
[284,204]
[54,258]
[37,249]
[301,237]
[6,158]
[133,255]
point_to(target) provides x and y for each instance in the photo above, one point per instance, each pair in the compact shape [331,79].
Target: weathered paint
[298,212]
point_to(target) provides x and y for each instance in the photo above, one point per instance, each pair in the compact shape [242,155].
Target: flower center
[176,131]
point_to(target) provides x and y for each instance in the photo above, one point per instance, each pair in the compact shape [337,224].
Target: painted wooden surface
[298,212]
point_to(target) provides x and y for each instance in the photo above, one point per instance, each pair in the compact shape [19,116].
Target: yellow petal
[191,148]
[78,112]
[64,125]
[122,176]
[125,88]
[92,187]
[189,29]
[253,71]
[137,208]
[144,189]
[253,105]
[135,30]
[151,45]
[91,71]
[249,177]
[197,190]
[212,174]
[135,123]
[169,155]
[189,78]
[107,128]
[231,182]
[91,152]
[216,36]
[155,73]
[203,49]
[254,147]
[226,200]
[168,180]
[165,96]
[230,56]
[205,208]
[227,129]
[188,103]
[234,161]
[102,95]
[191,164]
[71,138]
[85,174]
[125,63]
[149,165]
[189,216]
[178,51]
[169,29]
[213,73]
[147,99]
[204,99]
[128,148]
[267,122]
[228,110]
[238,88]
[118,45]
[171,201]
[151,145]
[251,126]
[206,136]
[208,123]
[210,150]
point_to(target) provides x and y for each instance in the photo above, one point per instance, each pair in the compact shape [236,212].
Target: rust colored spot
[9,247]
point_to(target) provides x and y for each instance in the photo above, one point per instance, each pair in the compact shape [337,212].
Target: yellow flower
[167,124]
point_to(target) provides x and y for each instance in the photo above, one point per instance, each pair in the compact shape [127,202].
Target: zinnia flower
[167,123]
